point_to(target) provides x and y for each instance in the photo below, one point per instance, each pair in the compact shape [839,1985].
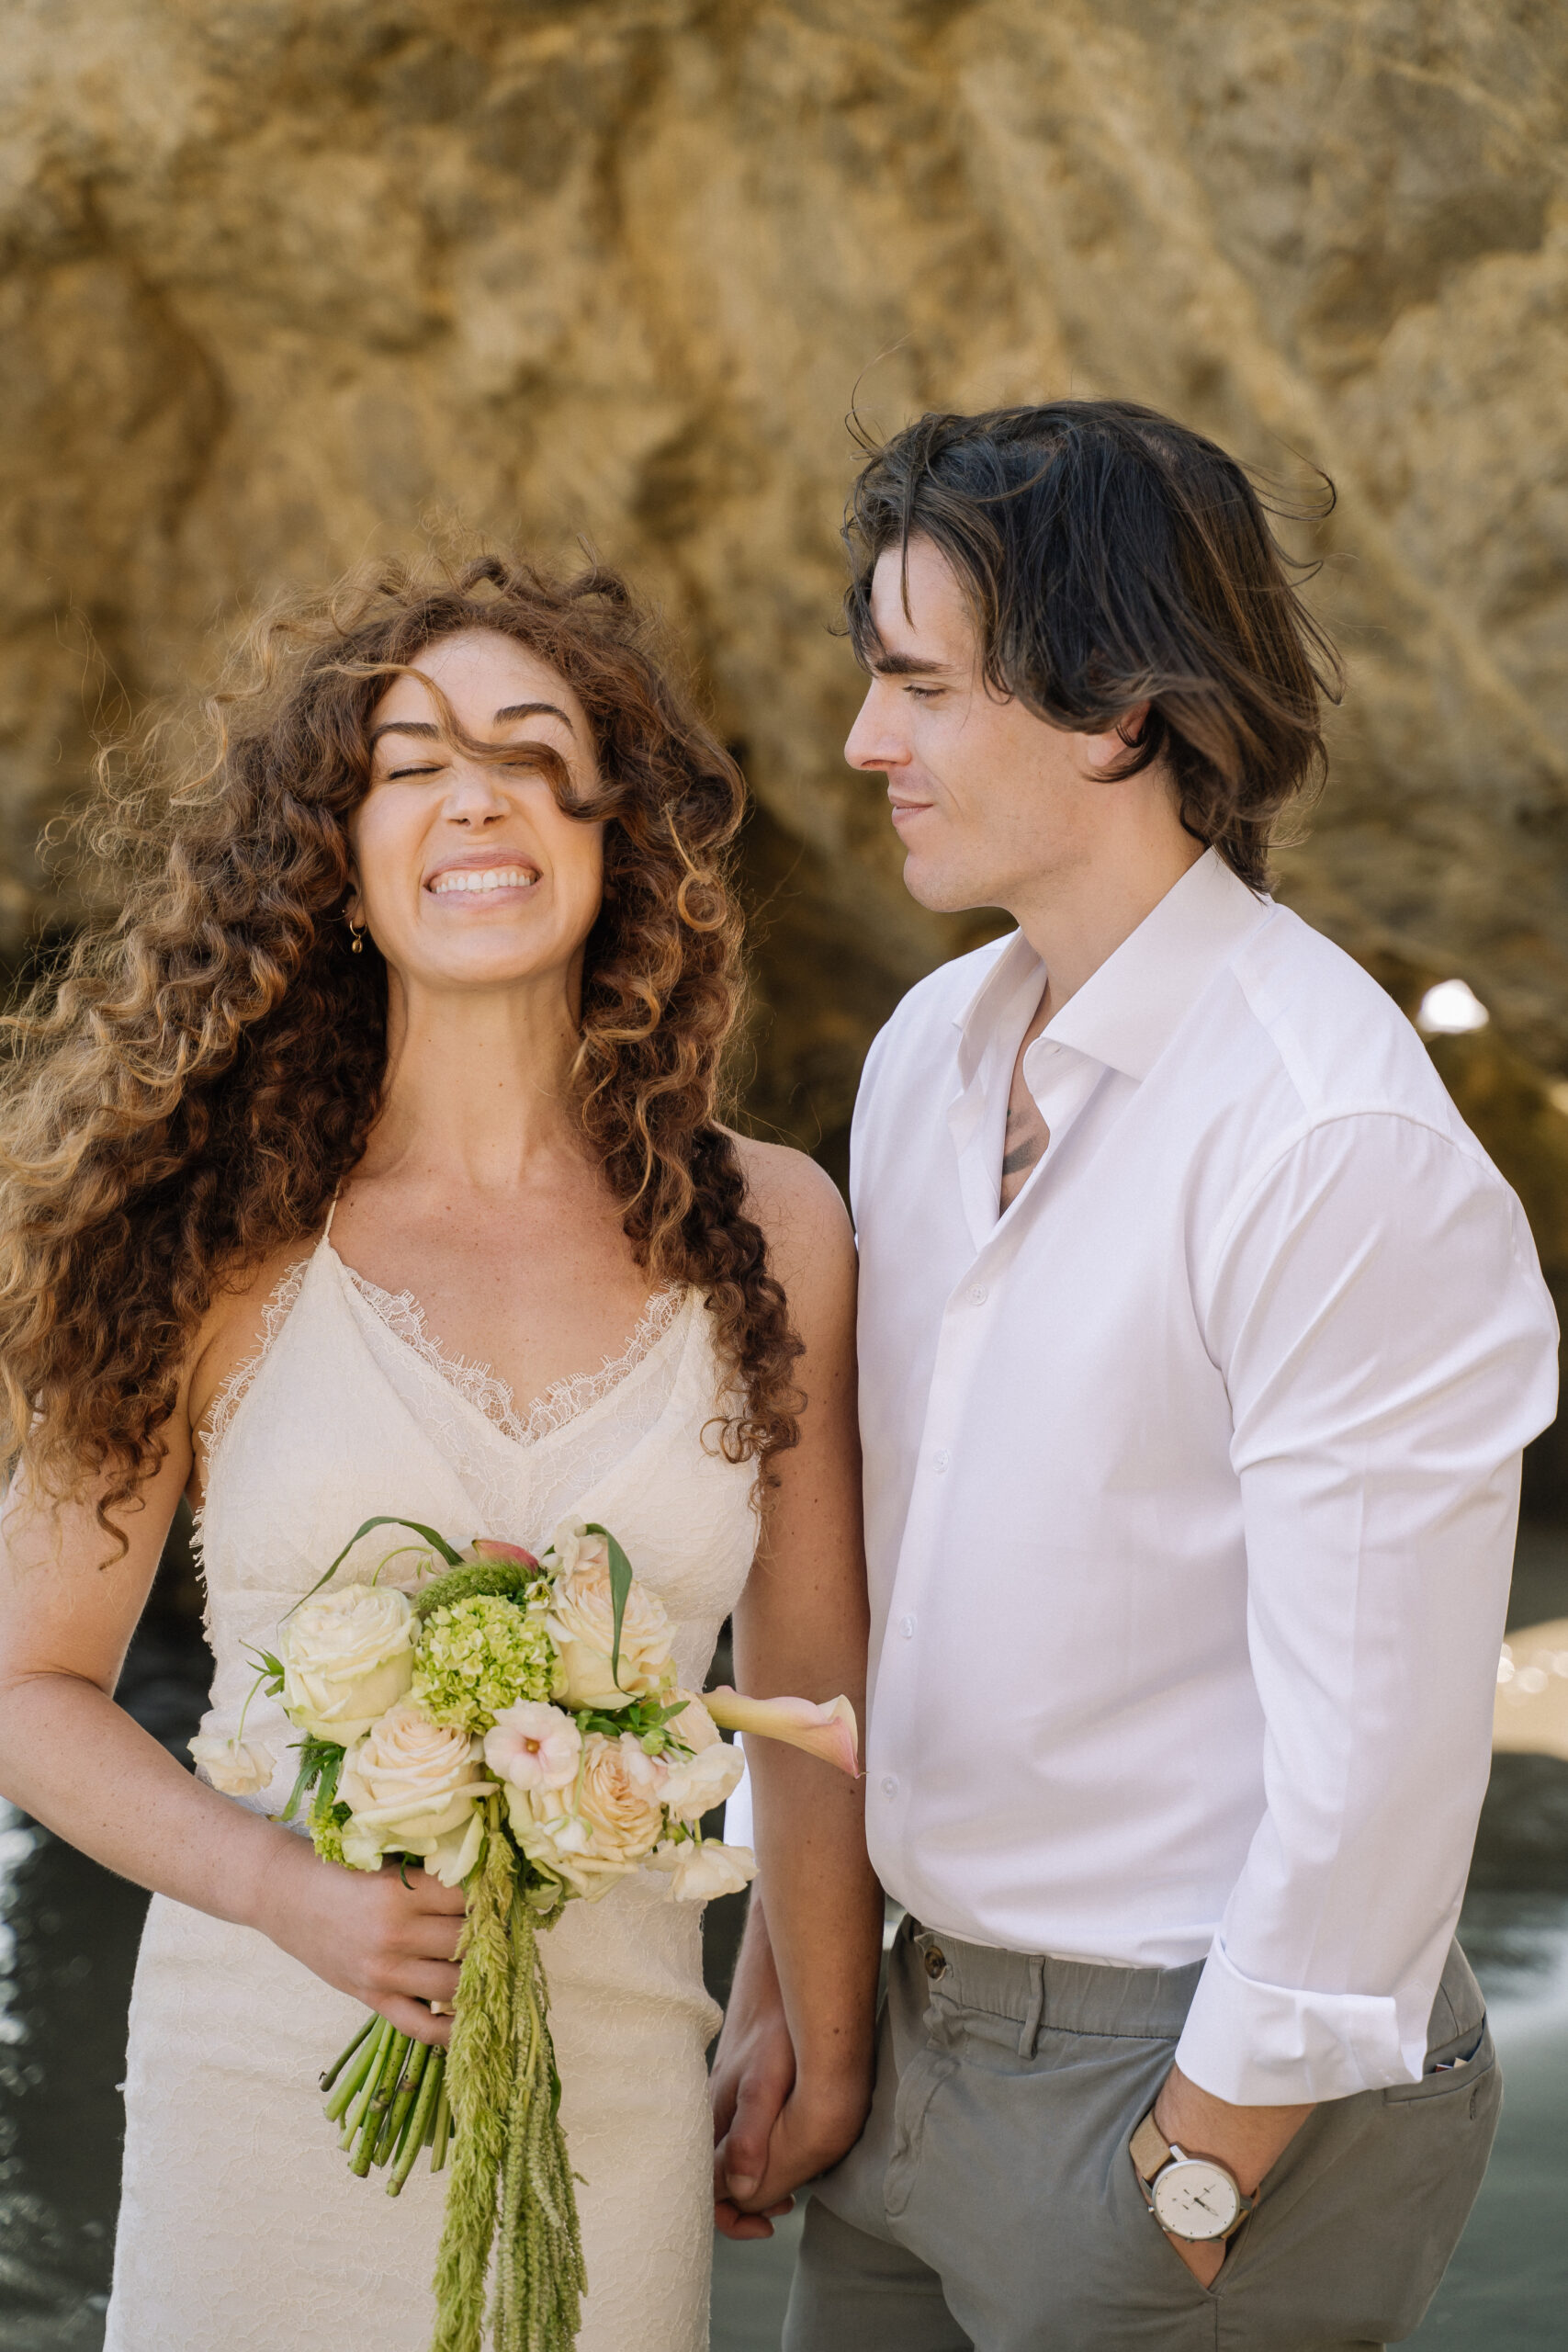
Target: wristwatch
[1193,2197]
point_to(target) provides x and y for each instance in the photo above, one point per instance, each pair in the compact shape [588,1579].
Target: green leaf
[321,1761]
[324,1806]
[310,1772]
[436,1542]
[620,1593]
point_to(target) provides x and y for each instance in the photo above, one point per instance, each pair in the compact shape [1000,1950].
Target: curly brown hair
[187,1096]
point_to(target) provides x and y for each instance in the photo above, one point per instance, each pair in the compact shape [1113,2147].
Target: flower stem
[353,2115]
[355,2075]
[417,2130]
[381,2098]
[401,2107]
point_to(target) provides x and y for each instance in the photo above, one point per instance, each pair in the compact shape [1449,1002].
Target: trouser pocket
[1357,2223]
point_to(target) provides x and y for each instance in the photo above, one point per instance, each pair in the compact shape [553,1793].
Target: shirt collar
[1127,1012]
[1014,974]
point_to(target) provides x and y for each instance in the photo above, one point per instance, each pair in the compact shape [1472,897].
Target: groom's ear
[1105,752]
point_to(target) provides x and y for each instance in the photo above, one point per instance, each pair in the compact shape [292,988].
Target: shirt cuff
[737,1829]
[1272,2045]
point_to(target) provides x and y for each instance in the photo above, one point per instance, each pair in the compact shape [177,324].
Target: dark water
[68,1935]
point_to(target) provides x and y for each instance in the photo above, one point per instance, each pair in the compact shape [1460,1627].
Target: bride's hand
[753,2077]
[816,2126]
[774,2127]
[391,1946]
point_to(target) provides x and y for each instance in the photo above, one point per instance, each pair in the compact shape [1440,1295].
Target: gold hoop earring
[357,936]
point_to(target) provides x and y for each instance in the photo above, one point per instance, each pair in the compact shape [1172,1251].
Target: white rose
[412,1787]
[348,1656]
[547,1830]
[698,1873]
[238,1768]
[593,1833]
[532,1746]
[582,1623]
[693,1784]
[453,1856]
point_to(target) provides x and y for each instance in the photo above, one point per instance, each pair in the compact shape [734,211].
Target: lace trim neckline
[562,1402]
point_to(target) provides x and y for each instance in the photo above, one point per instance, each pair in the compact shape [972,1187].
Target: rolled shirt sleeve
[1388,1345]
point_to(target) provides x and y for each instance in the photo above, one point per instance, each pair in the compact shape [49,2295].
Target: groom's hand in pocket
[1249,2141]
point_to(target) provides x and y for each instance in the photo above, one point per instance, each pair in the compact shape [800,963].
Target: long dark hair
[187,1097]
[1110,556]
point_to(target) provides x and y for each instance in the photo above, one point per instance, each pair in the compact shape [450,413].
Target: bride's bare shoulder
[802,1214]
[234,1329]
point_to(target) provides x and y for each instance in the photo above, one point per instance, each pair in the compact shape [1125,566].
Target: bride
[370,1163]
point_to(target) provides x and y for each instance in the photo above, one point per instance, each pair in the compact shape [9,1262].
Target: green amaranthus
[509,2163]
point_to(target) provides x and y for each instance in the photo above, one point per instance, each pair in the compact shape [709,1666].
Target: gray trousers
[991,2204]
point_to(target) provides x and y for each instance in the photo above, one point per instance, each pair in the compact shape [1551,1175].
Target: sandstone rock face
[284,276]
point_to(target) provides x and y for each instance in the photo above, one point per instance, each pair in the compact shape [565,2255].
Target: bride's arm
[792,2079]
[69,1604]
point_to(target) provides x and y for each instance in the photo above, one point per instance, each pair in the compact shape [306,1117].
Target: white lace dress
[241,2227]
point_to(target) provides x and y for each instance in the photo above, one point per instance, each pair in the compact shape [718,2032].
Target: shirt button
[978,1296]
[907,1627]
[940,1460]
[890,1784]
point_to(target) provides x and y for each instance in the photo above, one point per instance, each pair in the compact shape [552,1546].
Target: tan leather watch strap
[1149,2149]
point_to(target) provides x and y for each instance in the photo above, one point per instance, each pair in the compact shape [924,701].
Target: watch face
[1194,2200]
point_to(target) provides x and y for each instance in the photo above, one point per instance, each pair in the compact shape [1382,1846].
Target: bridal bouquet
[513,1724]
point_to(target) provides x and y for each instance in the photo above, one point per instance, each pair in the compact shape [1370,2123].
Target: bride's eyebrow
[528,710]
[423,726]
[401,727]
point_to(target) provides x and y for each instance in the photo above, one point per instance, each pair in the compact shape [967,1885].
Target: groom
[1199,1342]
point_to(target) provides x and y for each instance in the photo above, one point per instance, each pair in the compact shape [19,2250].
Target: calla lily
[829,1731]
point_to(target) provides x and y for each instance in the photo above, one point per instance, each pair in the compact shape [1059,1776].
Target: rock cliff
[282,279]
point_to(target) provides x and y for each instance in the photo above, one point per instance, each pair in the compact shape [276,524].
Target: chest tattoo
[1027,1136]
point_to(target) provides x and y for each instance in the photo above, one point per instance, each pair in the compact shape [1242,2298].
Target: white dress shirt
[1191,1480]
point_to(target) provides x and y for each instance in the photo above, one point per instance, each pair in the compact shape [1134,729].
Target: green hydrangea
[326,1836]
[478,1655]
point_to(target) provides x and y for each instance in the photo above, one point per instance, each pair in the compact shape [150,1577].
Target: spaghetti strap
[331,1212]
